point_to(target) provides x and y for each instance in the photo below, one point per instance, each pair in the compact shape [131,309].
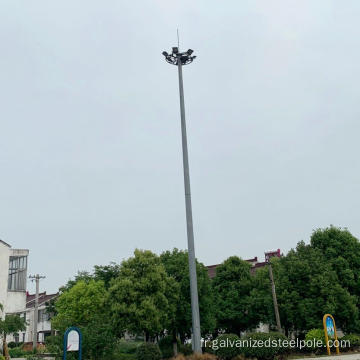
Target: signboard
[72,342]
[330,327]
[330,332]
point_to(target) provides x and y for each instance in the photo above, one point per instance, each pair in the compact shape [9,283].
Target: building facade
[44,323]
[15,298]
[13,277]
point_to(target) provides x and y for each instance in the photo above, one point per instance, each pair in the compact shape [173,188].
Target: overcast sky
[90,146]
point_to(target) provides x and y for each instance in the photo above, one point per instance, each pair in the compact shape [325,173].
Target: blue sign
[72,341]
[330,327]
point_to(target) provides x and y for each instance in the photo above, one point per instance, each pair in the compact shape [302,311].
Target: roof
[43,298]
[6,244]
[255,264]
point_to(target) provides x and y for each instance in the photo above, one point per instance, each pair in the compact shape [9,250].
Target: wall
[42,325]
[16,300]
[4,268]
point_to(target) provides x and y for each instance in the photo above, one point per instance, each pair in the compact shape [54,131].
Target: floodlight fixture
[176,57]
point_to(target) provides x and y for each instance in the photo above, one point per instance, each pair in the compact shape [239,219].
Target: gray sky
[90,147]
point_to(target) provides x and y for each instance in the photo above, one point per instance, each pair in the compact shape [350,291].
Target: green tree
[106,273]
[78,305]
[142,296]
[177,266]
[261,307]
[9,326]
[83,305]
[342,250]
[84,276]
[307,288]
[232,287]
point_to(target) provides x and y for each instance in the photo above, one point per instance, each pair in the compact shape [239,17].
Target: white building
[14,297]
[13,276]
[44,324]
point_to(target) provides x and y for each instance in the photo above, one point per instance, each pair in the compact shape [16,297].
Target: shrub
[208,347]
[148,351]
[270,348]
[2,357]
[12,345]
[127,347]
[185,349]
[166,347]
[17,352]
[124,356]
[225,346]
[313,337]
[353,339]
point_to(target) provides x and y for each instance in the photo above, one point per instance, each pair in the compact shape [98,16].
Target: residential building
[14,296]
[13,277]
[44,324]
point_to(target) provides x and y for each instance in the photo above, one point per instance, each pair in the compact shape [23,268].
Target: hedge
[225,347]
[148,351]
[269,348]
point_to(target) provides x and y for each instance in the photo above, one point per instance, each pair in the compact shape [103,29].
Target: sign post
[72,341]
[330,332]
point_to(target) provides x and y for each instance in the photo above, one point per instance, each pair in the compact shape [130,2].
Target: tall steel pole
[189,224]
[180,59]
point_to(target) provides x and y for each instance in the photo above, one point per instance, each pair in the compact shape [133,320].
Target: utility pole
[179,59]
[273,290]
[36,278]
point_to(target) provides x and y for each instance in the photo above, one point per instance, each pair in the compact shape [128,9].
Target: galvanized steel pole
[189,222]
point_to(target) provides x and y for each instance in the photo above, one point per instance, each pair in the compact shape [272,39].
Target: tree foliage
[78,305]
[83,305]
[142,296]
[11,324]
[232,286]
[150,294]
[176,264]
[307,288]
[261,302]
[342,250]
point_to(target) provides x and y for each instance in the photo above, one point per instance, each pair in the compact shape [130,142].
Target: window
[43,315]
[17,273]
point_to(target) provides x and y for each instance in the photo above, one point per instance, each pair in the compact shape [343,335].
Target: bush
[208,347]
[314,336]
[12,345]
[127,347]
[18,352]
[225,346]
[166,346]
[185,349]
[2,357]
[270,347]
[148,351]
[124,356]
[353,339]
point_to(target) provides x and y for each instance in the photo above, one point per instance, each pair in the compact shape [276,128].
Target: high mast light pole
[179,59]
